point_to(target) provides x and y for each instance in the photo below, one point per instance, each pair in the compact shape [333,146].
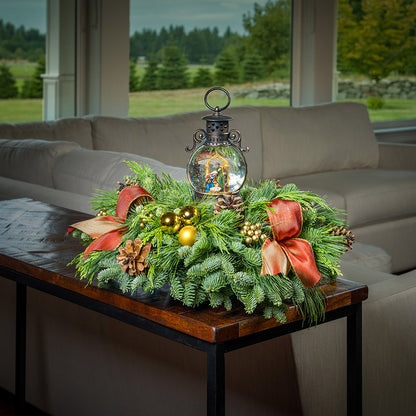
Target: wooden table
[34,252]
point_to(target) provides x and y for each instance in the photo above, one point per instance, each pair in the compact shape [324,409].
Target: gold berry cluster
[252,232]
[144,220]
[101,213]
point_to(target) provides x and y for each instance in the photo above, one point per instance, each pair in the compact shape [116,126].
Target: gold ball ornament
[249,240]
[189,214]
[187,235]
[170,222]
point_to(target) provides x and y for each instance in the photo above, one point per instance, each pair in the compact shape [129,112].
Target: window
[22,59]
[376,57]
[180,49]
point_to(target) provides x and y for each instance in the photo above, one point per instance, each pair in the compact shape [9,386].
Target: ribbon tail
[108,241]
[97,226]
[302,259]
[274,259]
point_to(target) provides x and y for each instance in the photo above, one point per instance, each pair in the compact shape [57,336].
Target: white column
[103,57]
[59,79]
[314,51]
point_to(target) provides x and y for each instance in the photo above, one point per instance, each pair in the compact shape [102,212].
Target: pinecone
[229,201]
[349,236]
[129,182]
[132,257]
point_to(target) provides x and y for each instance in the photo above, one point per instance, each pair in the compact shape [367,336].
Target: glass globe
[216,170]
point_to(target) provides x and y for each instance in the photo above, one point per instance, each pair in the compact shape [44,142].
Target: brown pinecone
[132,257]
[349,236]
[229,201]
[129,182]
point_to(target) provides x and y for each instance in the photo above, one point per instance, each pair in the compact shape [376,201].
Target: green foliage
[253,68]
[8,88]
[134,80]
[270,25]
[375,103]
[149,80]
[33,87]
[18,43]
[203,78]
[226,69]
[378,39]
[219,268]
[197,44]
[173,72]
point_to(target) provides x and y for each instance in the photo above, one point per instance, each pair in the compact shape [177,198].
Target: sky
[149,14]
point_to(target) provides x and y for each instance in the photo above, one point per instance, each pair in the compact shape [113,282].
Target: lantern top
[217,116]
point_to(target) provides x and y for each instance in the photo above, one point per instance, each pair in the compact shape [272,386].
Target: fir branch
[104,200]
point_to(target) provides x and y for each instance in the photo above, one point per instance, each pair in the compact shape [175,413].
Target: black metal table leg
[216,380]
[20,371]
[354,362]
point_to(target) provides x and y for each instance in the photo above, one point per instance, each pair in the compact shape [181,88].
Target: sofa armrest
[398,156]
[389,336]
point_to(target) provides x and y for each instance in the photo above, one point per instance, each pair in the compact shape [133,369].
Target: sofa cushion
[165,138]
[12,188]
[396,236]
[297,141]
[371,195]
[375,258]
[74,129]
[84,171]
[31,160]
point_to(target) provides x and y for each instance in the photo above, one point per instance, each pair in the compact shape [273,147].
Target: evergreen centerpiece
[266,247]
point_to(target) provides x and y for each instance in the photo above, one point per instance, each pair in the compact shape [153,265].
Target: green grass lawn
[394,109]
[21,72]
[24,70]
[18,110]
[160,103]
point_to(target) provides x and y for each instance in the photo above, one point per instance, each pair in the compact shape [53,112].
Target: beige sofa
[329,149]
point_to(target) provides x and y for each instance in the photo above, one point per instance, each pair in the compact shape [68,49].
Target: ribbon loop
[286,251]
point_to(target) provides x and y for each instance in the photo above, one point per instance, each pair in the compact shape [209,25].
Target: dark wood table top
[33,242]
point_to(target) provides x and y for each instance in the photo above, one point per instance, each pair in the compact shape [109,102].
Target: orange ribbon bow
[285,250]
[107,231]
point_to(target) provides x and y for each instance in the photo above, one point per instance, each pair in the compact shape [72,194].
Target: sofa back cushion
[31,160]
[302,140]
[165,138]
[76,130]
[84,171]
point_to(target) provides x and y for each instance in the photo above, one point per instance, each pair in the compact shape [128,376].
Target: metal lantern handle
[217,109]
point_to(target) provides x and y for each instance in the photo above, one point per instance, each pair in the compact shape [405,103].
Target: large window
[22,59]
[179,49]
[377,56]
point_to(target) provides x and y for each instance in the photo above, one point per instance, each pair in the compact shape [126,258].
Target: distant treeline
[198,45]
[17,43]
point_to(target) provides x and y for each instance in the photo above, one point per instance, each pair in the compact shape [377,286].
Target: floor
[7,406]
